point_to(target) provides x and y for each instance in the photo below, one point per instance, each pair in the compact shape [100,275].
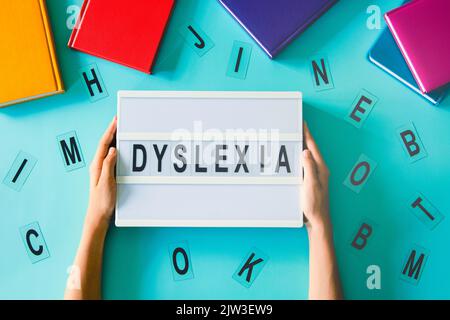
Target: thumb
[109,164]
[309,168]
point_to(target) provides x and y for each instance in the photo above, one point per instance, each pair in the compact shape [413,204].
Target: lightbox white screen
[207,205]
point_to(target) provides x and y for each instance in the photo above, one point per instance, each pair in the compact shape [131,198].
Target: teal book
[386,55]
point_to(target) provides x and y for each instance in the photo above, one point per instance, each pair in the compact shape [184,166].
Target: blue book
[386,55]
[275,23]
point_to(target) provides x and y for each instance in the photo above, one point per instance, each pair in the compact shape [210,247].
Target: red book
[124,32]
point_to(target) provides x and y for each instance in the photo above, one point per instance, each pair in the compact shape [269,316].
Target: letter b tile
[411,143]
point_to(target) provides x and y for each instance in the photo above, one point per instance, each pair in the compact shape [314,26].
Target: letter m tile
[70,150]
[414,264]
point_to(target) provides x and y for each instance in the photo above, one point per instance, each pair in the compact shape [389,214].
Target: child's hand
[315,185]
[102,196]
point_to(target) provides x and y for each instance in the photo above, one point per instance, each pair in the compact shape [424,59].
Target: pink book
[421,29]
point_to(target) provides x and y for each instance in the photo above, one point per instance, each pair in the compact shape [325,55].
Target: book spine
[51,46]
[391,26]
[397,39]
[74,34]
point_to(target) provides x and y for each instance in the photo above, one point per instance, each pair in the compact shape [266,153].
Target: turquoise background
[136,263]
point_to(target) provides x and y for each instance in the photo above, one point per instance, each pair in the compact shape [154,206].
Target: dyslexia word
[210,158]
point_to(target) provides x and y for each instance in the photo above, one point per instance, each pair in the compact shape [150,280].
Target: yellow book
[28,65]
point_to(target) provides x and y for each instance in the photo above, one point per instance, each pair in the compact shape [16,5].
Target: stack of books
[415,48]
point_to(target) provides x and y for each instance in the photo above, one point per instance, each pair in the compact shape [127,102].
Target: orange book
[28,65]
